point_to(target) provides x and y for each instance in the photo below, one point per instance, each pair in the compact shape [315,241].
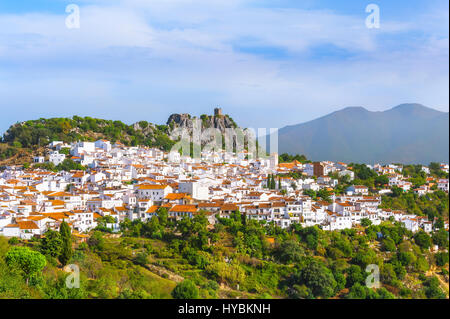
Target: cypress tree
[66,236]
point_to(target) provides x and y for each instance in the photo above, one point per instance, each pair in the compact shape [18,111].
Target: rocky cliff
[217,121]
[186,121]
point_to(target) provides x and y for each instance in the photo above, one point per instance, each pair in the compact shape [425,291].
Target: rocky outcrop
[220,122]
[180,120]
[185,121]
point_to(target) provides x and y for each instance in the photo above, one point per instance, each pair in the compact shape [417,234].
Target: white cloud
[151,56]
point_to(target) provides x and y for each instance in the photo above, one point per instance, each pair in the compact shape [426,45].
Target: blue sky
[267,63]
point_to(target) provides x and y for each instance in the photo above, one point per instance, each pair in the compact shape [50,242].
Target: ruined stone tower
[217,111]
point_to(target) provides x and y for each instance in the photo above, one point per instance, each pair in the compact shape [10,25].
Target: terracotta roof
[152,209]
[229,207]
[175,196]
[184,208]
[28,224]
[152,186]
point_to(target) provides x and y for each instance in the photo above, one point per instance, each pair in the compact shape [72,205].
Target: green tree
[388,274]
[341,281]
[69,165]
[96,241]
[381,180]
[66,249]
[383,293]
[324,194]
[354,275]
[185,290]
[432,289]
[51,244]
[388,245]
[290,251]
[29,262]
[365,222]
[141,259]
[311,193]
[440,238]
[319,279]
[184,226]
[163,216]
[406,258]
[357,291]
[439,223]
[153,228]
[422,239]
[396,191]
[441,258]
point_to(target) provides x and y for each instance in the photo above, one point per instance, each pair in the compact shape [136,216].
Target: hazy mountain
[408,133]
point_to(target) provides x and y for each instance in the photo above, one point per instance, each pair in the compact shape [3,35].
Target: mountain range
[407,133]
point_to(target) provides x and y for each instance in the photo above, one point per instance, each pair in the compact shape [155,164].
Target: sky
[267,63]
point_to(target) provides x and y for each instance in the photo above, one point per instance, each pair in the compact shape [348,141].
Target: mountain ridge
[346,134]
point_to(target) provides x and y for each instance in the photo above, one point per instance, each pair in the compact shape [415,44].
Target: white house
[38,159]
[174,157]
[22,229]
[104,145]
[195,189]
[154,192]
[411,224]
[443,185]
[82,148]
[357,189]
[56,158]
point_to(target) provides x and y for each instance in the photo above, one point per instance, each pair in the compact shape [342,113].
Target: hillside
[28,137]
[233,260]
[408,133]
[23,140]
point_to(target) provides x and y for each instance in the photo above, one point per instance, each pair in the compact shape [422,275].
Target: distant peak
[354,108]
[405,107]
[414,109]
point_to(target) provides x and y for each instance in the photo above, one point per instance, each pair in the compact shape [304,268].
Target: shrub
[185,290]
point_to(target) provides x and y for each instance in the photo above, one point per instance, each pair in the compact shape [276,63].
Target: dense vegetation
[163,258]
[286,158]
[67,165]
[432,205]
